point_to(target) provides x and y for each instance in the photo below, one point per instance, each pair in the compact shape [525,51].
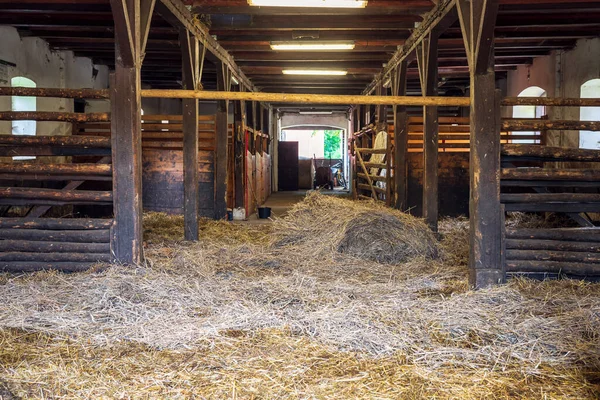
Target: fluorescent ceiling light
[310,3]
[234,80]
[312,45]
[316,112]
[314,72]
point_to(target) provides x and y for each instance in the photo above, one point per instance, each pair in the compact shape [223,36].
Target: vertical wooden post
[220,204]
[380,110]
[190,50]
[132,22]
[427,53]
[239,116]
[400,140]
[477,20]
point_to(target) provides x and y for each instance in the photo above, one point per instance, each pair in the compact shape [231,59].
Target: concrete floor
[282,202]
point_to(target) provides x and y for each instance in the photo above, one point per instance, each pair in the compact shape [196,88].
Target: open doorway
[313,157]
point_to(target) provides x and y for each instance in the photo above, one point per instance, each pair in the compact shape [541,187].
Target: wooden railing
[159,131]
[528,184]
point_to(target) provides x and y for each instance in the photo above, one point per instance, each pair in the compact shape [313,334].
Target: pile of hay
[328,224]
[271,312]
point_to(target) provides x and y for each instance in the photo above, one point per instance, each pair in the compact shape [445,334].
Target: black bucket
[264,212]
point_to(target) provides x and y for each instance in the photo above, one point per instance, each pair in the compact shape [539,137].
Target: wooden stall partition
[230,168]
[49,182]
[162,161]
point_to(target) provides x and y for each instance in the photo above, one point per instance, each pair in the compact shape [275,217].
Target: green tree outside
[333,142]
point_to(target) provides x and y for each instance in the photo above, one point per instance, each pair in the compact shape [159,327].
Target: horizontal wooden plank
[558,245]
[548,153]
[58,141]
[55,257]
[570,268]
[375,165]
[19,177]
[541,125]
[30,245]
[53,116]
[56,169]
[442,120]
[553,207]
[56,223]
[63,196]
[52,151]
[553,255]
[548,183]
[371,151]
[76,236]
[55,92]
[563,234]
[31,266]
[551,174]
[367,187]
[373,177]
[550,101]
[550,197]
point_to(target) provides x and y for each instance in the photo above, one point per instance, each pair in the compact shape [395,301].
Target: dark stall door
[288,166]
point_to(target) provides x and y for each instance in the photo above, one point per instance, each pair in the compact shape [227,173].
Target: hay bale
[385,238]
[329,224]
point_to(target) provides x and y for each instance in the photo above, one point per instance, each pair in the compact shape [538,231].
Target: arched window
[589,139]
[23,103]
[529,112]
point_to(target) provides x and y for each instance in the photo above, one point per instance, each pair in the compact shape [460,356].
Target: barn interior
[430,168]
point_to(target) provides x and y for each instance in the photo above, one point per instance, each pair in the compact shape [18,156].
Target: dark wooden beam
[123,12]
[399,79]
[126,129]
[303,22]
[220,158]
[485,261]
[427,59]
[146,11]
[239,142]
[190,52]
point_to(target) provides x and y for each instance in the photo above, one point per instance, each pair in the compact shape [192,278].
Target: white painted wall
[51,69]
[561,74]
[336,120]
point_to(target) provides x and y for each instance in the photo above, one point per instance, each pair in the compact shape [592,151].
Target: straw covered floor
[298,309]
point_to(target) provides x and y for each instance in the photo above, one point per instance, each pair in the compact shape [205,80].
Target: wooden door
[288,166]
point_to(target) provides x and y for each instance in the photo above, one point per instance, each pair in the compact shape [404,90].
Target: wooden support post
[220,200]
[127,164]
[132,20]
[400,140]
[239,133]
[190,51]
[477,20]
[427,55]
[380,111]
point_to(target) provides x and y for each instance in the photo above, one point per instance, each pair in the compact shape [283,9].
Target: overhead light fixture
[234,81]
[324,72]
[310,3]
[316,112]
[312,45]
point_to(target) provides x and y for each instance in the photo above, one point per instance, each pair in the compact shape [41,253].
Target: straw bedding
[271,312]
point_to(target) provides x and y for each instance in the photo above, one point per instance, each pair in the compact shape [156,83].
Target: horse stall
[453,164]
[40,178]
[162,161]
[258,170]
[536,178]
